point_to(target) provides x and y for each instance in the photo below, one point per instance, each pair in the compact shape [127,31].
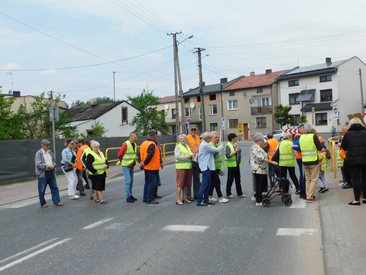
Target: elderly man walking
[309,145]
[206,163]
[45,165]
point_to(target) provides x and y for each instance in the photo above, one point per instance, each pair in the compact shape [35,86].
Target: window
[232,104]
[321,119]
[213,109]
[232,94]
[124,115]
[174,113]
[212,97]
[187,112]
[174,129]
[292,99]
[233,123]
[325,78]
[198,98]
[261,122]
[265,102]
[259,90]
[186,100]
[326,95]
[292,83]
[213,127]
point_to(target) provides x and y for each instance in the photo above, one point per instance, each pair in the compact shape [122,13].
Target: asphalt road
[119,238]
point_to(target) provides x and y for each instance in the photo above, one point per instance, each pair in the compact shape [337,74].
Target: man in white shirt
[45,170]
[206,163]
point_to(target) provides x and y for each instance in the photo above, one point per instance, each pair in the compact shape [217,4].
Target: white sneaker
[258,204]
[223,200]
[74,197]
[243,196]
[231,196]
[212,199]
[253,198]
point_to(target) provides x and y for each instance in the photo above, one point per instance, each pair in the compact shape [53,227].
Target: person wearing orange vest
[80,167]
[150,161]
[271,146]
[194,141]
[298,156]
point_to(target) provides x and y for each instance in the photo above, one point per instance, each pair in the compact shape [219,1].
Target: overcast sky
[239,36]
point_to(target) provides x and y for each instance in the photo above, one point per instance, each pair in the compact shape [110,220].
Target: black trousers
[233,173]
[291,170]
[80,185]
[196,180]
[85,177]
[358,174]
[260,182]
[215,183]
[347,173]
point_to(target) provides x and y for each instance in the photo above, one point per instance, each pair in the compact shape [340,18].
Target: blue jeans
[128,174]
[49,179]
[151,181]
[203,191]
[302,178]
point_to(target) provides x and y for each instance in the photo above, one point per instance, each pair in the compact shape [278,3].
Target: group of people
[269,159]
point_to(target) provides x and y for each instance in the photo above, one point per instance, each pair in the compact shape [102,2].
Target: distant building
[314,90]
[167,104]
[115,117]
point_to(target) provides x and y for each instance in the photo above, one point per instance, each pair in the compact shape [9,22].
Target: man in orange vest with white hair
[150,161]
[194,142]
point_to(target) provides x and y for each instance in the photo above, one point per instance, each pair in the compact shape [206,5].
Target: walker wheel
[266,202]
[283,197]
[287,201]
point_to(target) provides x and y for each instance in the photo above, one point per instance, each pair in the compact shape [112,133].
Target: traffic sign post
[54,116]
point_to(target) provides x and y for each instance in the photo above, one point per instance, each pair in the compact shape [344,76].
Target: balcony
[261,110]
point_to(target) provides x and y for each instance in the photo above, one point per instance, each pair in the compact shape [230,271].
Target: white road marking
[20,204]
[27,250]
[9,265]
[296,231]
[186,228]
[93,225]
[117,226]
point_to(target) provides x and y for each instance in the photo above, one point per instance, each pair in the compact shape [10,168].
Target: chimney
[268,71]
[252,73]
[223,80]
[328,61]
[16,93]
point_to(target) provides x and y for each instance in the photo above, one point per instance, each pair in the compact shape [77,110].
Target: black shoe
[297,192]
[354,203]
[190,199]
[82,193]
[130,199]
[202,204]
[210,203]
[152,202]
[157,197]
[321,190]
[364,201]
[347,186]
[87,186]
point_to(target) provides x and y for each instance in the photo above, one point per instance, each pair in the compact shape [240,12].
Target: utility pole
[53,114]
[361,88]
[198,51]
[114,86]
[181,95]
[175,57]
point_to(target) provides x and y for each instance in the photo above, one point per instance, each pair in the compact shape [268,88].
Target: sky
[73,47]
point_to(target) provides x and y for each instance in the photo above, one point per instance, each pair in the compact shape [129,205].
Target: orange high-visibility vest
[154,163]
[298,154]
[194,143]
[343,153]
[273,144]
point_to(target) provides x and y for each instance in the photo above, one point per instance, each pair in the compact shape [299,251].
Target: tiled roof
[167,99]
[254,81]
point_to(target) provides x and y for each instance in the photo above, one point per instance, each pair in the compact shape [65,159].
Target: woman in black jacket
[354,143]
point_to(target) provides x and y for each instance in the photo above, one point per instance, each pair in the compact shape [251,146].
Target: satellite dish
[251,100]
[166,107]
[192,105]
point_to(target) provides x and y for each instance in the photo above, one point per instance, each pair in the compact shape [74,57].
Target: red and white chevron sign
[292,131]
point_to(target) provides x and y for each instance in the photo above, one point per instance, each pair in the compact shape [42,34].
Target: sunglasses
[193,130]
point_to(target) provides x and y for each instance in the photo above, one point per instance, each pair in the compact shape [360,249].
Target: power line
[88,65]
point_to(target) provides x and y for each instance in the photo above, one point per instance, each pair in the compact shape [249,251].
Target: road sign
[335,112]
[54,112]
[240,127]
[222,122]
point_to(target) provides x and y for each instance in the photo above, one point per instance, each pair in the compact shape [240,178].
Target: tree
[98,130]
[283,117]
[10,123]
[97,101]
[149,118]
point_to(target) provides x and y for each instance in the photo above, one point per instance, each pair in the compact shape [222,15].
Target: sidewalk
[343,229]
[17,192]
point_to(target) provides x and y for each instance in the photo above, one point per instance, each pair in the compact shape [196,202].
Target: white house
[115,117]
[318,91]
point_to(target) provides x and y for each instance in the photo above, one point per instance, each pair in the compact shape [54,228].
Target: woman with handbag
[215,175]
[68,167]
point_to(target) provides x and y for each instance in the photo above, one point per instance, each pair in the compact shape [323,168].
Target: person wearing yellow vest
[183,166]
[232,162]
[309,145]
[97,165]
[150,161]
[286,156]
[85,154]
[215,175]
[127,157]
[271,147]
[298,156]
[194,141]
[324,166]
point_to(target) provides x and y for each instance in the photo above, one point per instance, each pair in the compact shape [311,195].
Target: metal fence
[17,156]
